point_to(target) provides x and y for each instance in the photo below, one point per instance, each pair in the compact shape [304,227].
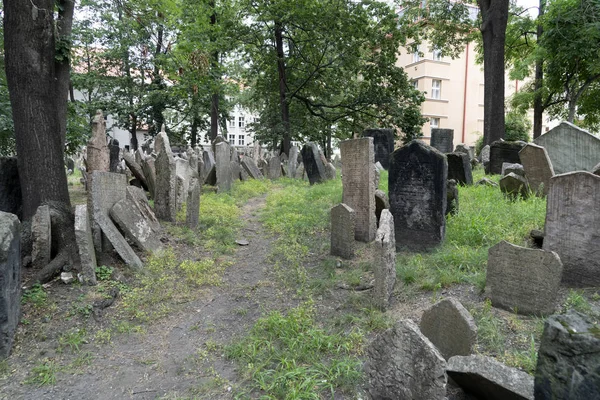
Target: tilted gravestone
[522,280]
[514,186]
[293,162]
[135,169]
[402,364]
[210,173]
[568,364]
[98,156]
[450,327]
[459,168]
[85,245]
[274,168]
[573,226]
[149,169]
[538,168]
[417,183]
[313,165]
[11,200]
[41,237]
[165,201]
[133,223]
[442,139]
[250,167]
[223,166]
[10,280]
[383,144]
[570,148]
[358,185]
[343,222]
[384,261]
[501,152]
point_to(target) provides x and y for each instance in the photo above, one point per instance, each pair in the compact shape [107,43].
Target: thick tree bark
[214,107]
[285,112]
[538,108]
[133,132]
[494,14]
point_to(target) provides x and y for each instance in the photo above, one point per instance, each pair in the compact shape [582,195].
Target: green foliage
[43,374]
[489,328]
[517,126]
[104,273]
[72,339]
[577,301]
[219,222]
[36,296]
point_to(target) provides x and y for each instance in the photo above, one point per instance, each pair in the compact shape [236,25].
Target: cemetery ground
[278,317]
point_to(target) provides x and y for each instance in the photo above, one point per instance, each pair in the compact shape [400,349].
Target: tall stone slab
[274,168]
[85,245]
[293,161]
[251,168]
[459,168]
[210,174]
[193,203]
[135,226]
[106,189]
[442,139]
[98,156]
[485,157]
[118,242]
[503,152]
[417,184]
[358,185]
[313,165]
[384,261]
[573,226]
[538,168]
[343,223]
[10,280]
[114,152]
[165,201]
[41,235]
[223,166]
[523,280]
[149,169]
[568,364]
[383,145]
[11,200]
[570,148]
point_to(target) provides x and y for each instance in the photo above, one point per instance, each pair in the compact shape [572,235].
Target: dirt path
[180,356]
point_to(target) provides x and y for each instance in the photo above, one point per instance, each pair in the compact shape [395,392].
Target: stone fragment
[114,152]
[523,280]
[293,162]
[135,169]
[402,364]
[381,203]
[568,364]
[10,187]
[67,277]
[343,223]
[313,166]
[358,185]
[383,145]
[98,156]
[223,166]
[274,168]
[10,280]
[596,169]
[384,261]
[572,226]
[417,183]
[165,201]
[442,139]
[135,226]
[486,182]
[450,327]
[452,201]
[514,186]
[41,237]
[515,168]
[538,168]
[501,152]
[459,168]
[487,379]
[85,245]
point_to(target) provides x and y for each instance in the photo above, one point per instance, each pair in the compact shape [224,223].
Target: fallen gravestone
[486,182]
[343,223]
[522,280]
[573,226]
[165,201]
[450,327]
[538,168]
[383,145]
[85,245]
[98,156]
[223,166]
[41,237]
[501,152]
[10,187]
[452,203]
[10,280]
[384,261]
[442,139]
[250,167]
[313,166]
[459,168]
[514,186]
[149,170]
[417,183]
[135,226]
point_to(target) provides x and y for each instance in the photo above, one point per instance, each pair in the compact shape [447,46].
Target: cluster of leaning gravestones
[411,362]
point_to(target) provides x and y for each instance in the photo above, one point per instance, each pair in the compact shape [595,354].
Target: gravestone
[330,171]
[313,166]
[193,195]
[573,226]
[488,379]
[41,237]
[596,169]
[85,245]
[139,199]
[210,172]
[450,327]
[300,173]
[515,168]
[485,157]
[522,280]
[402,364]
[149,170]
[250,167]
[538,168]
[452,202]
[114,151]
[10,280]
[118,242]
[183,172]
[98,156]
[293,162]
[343,222]
[165,200]
[459,168]
[11,200]
[223,167]
[570,148]
[216,141]
[503,152]
[486,182]
[417,183]
[274,168]
[384,261]
[135,225]
[358,186]
[514,186]
[135,169]
[442,139]
[568,364]
[463,148]
[104,193]
[383,145]
[381,203]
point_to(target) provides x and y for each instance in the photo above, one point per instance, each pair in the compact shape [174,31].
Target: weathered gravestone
[381,203]
[183,172]
[135,226]
[149,169]
[216,141]
[41,237]
[442,139]
[135,169]
[330,171]
[313,166]
[573,226]
[452,201]
[596,170]
[487,379]
[570,148]
[568,366]
[138,196]
[343,223]
[402,364]
[85,245]
[538,168]
[114,151]
[98,156]
[501,152]
[459,168]
[293,162]
[358,186]
[463,148]
[165,201]
[274,168]
[515,168]
[300,173]
[223,166]
[485,157]
[10,280]
[523,280]
[193,195]
[417,184]
[513,186]
[384,261]
[10,187]
[250,167]
[383,145]
[450,327]
[210,172]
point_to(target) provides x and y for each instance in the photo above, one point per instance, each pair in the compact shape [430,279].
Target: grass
[36,296]
[43,374]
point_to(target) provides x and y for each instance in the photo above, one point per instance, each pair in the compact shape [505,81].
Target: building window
[434,122]
[437,55]
[241,140]
[416,56]
[232,123]
[415,83]
[241,122]
[436,89]
[231,139]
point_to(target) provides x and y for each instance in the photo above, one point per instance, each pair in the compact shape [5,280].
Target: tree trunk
[214,106]
[538,108]
[158,106]
[494,14]
[194,133]
[572,108]
[133,132]
[285,112]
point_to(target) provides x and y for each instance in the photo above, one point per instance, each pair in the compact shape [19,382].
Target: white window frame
[416,56]
[241,122]
[232,138]
[434,122]
[231,123]
[436,55]
[241,140]
[415,83]
[436,89]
